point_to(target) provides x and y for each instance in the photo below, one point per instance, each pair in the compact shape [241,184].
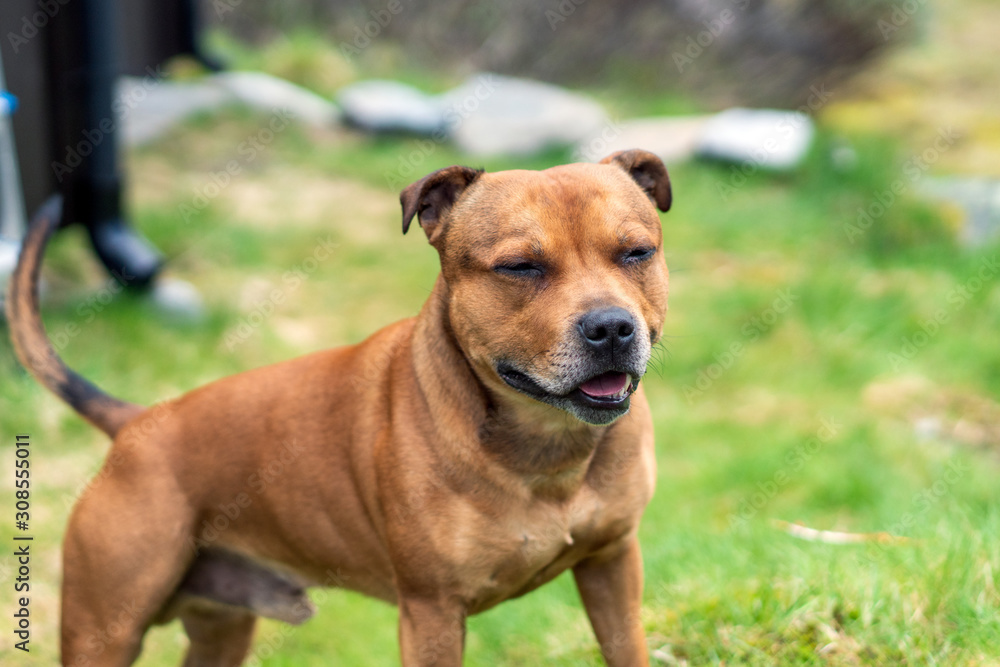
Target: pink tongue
[608,384]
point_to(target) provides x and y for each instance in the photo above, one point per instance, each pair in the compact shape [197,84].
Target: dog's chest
[512,554]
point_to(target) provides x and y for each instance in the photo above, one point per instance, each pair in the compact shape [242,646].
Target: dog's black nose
[608,329]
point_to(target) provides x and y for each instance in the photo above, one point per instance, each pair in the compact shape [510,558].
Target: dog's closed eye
[520,269]
[638,255]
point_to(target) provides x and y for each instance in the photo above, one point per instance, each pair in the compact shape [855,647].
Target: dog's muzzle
[608,356]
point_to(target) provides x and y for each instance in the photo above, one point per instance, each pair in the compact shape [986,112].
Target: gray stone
[673,139]
[178,299]
[979,199]
[390,106]
[770,139]
[153,106]
[495,115]
[269,93]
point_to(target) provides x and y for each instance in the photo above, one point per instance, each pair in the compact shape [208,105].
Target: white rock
[495,115]
[154,106]
[673,139]
[178,298]
[979,200]
[390,106]
[768,138]
[269,93]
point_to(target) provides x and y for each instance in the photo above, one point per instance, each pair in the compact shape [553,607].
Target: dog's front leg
[431,632]
[611,588]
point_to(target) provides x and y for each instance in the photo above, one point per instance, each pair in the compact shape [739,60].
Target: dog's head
[557,283]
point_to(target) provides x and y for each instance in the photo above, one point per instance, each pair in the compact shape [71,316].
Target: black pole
[84,67]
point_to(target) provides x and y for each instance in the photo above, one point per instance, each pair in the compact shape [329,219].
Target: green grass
[813,420]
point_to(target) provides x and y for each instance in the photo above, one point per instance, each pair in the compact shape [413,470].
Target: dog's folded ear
[433,195]
[648,171]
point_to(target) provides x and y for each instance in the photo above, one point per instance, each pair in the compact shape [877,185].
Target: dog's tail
[32,345]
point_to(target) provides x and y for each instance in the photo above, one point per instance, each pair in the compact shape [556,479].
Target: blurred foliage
[723,51]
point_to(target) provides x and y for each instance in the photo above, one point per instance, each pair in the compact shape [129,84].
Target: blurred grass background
[835,412]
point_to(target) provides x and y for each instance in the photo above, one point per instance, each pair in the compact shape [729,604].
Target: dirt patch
[940,413]
[283,195]
[946,79]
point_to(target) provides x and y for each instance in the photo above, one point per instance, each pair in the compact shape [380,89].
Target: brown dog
[448,463]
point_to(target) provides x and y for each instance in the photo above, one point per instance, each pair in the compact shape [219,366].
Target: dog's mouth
[609,391]
[609,387]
